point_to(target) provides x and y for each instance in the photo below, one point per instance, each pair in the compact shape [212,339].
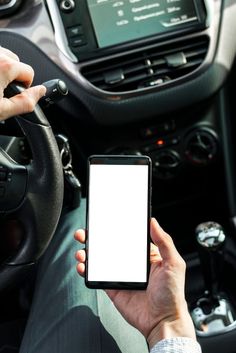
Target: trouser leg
[67,317]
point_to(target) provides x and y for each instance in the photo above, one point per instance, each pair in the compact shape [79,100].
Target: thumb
[163,241]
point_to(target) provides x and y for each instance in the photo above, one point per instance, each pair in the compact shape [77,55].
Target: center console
[127,24]
[129,28]
[131,49]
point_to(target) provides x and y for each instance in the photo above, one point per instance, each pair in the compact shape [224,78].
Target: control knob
[56,90]
[201,147]
[166,164]
[67,5]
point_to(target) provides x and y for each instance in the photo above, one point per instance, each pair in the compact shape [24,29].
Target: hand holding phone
[161,310]
[118,217]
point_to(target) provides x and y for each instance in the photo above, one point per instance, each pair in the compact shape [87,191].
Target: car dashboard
[153,78]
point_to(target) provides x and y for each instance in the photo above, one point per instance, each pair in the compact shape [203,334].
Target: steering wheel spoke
[13,183]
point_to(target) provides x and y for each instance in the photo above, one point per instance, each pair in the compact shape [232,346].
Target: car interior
[146,77]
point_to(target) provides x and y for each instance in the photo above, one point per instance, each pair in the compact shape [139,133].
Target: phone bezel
[119,160]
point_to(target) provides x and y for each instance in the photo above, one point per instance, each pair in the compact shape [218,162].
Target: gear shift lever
[211,237]
[212,313]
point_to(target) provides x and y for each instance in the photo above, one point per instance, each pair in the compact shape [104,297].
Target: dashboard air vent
[149,67]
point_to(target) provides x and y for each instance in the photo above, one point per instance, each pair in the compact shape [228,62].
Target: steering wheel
[31,194]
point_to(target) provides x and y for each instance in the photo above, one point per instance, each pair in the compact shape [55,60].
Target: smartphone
[118,222]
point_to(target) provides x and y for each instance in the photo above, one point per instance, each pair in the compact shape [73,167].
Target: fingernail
[154,220]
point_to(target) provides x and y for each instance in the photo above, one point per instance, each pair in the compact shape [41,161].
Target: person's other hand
[161,310]
[11,69]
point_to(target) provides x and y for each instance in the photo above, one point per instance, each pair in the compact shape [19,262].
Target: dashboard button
[75,31]
[152,131]
[174,140]
[78,41]
[149,148]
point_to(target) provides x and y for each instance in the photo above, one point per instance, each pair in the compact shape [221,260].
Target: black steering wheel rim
[40,207]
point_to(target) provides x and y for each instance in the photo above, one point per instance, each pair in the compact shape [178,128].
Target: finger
[80,235]
[24,73]
[12,70]
[9,53]
[163,241]
[80,255]
[21,103]
[81,269]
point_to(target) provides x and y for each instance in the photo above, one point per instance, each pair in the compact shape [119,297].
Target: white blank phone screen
[117,223]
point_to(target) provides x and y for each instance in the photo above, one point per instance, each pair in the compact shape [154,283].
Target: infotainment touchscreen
[118,21]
